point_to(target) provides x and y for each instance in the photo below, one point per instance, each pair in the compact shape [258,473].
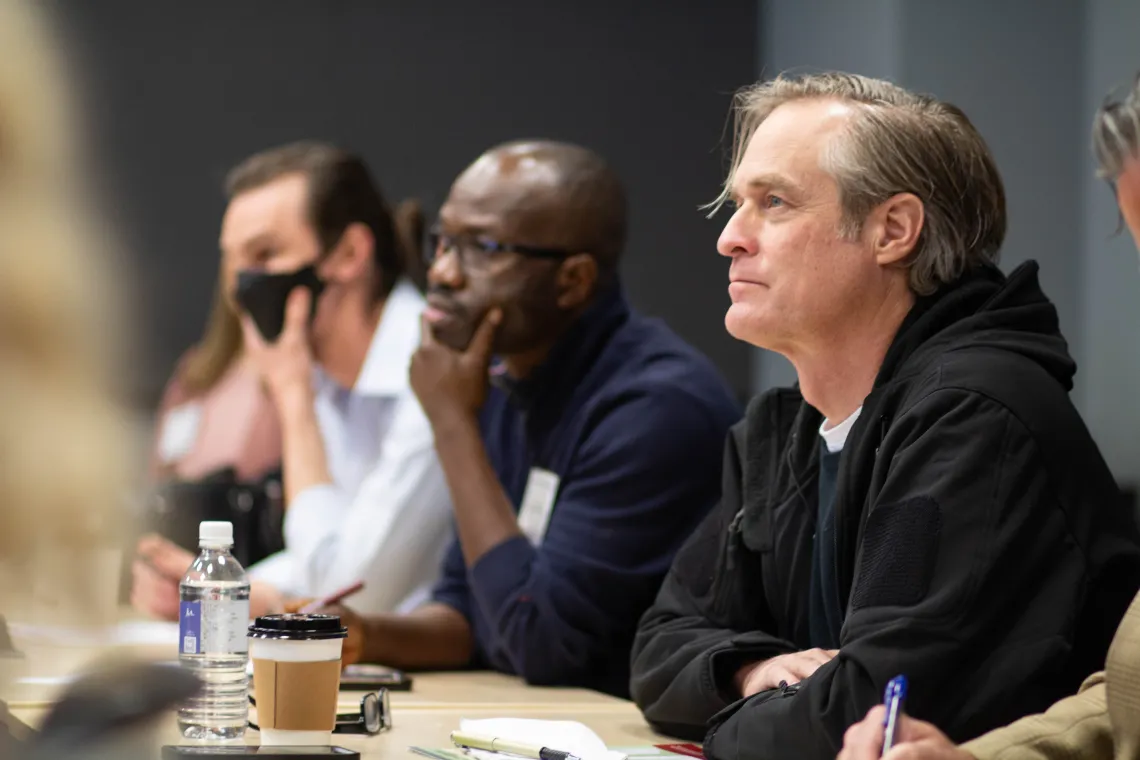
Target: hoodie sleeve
[688,645]
[966,581]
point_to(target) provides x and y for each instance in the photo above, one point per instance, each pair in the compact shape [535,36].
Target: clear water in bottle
[213,623]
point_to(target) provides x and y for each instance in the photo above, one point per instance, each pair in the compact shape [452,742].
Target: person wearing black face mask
[318,267]
[263,296]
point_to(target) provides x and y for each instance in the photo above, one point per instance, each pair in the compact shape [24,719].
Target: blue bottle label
[213,626]
[190,628]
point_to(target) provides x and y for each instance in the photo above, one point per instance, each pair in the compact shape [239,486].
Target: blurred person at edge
[63,474]
[65,440]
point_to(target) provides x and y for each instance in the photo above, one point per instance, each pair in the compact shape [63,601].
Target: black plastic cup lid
[297,627]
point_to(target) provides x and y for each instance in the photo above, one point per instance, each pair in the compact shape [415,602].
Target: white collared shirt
[386,517]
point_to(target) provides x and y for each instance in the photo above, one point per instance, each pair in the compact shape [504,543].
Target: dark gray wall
[181,91]
[1021,89]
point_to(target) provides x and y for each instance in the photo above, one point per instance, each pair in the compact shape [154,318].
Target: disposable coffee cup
[296,677]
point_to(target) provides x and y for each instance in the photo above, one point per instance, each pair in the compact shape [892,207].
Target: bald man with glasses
[581,441]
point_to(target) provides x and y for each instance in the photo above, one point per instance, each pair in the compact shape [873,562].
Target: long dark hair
[220,345]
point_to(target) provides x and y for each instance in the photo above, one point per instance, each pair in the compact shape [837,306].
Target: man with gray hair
[927,501]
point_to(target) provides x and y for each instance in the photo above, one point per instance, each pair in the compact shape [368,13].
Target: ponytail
[408,221]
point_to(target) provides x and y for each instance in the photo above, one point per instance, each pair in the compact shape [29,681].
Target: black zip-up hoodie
[983,549]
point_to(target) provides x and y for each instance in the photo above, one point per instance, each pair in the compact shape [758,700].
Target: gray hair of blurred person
[63,471]
[1116,133]
[896,142]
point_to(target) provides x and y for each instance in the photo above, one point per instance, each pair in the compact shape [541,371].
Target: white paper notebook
[566,735]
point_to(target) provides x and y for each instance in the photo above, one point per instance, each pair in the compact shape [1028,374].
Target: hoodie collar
[984,307]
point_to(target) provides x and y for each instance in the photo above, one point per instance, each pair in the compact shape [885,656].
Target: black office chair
[175,508]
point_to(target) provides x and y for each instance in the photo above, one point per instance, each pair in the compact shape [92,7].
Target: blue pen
[893,700]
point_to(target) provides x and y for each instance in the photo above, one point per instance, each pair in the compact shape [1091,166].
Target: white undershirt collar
[835,437]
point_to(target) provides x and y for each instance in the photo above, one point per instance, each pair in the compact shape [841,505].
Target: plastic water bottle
[213,618]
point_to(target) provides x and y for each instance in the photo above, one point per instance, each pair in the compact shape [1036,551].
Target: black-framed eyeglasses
[478,248]
[375,715]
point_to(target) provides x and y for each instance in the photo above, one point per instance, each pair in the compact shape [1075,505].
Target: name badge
[537,504]
[179,431]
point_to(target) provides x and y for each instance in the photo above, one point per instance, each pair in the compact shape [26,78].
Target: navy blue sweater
[633,421]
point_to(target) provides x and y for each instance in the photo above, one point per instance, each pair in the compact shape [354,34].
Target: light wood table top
[37,677]
[37,688]
[424,716]
[620,726]
[429,723]
[482,689]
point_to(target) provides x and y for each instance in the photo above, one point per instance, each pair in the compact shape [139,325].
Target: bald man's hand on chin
[452,385]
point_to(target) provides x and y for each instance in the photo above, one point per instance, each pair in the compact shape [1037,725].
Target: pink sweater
[233,424]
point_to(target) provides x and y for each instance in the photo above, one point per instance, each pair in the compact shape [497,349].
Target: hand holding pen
[310,606]
[334,598]
[889,732]
[893,700]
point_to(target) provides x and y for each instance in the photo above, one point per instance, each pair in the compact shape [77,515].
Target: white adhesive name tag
[537,504]
[179,431]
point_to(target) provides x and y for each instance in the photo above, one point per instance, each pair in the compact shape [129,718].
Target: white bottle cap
[216,533]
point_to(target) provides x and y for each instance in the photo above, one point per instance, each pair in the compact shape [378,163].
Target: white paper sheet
[566,735]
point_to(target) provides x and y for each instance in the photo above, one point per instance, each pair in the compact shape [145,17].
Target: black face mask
[263,295]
